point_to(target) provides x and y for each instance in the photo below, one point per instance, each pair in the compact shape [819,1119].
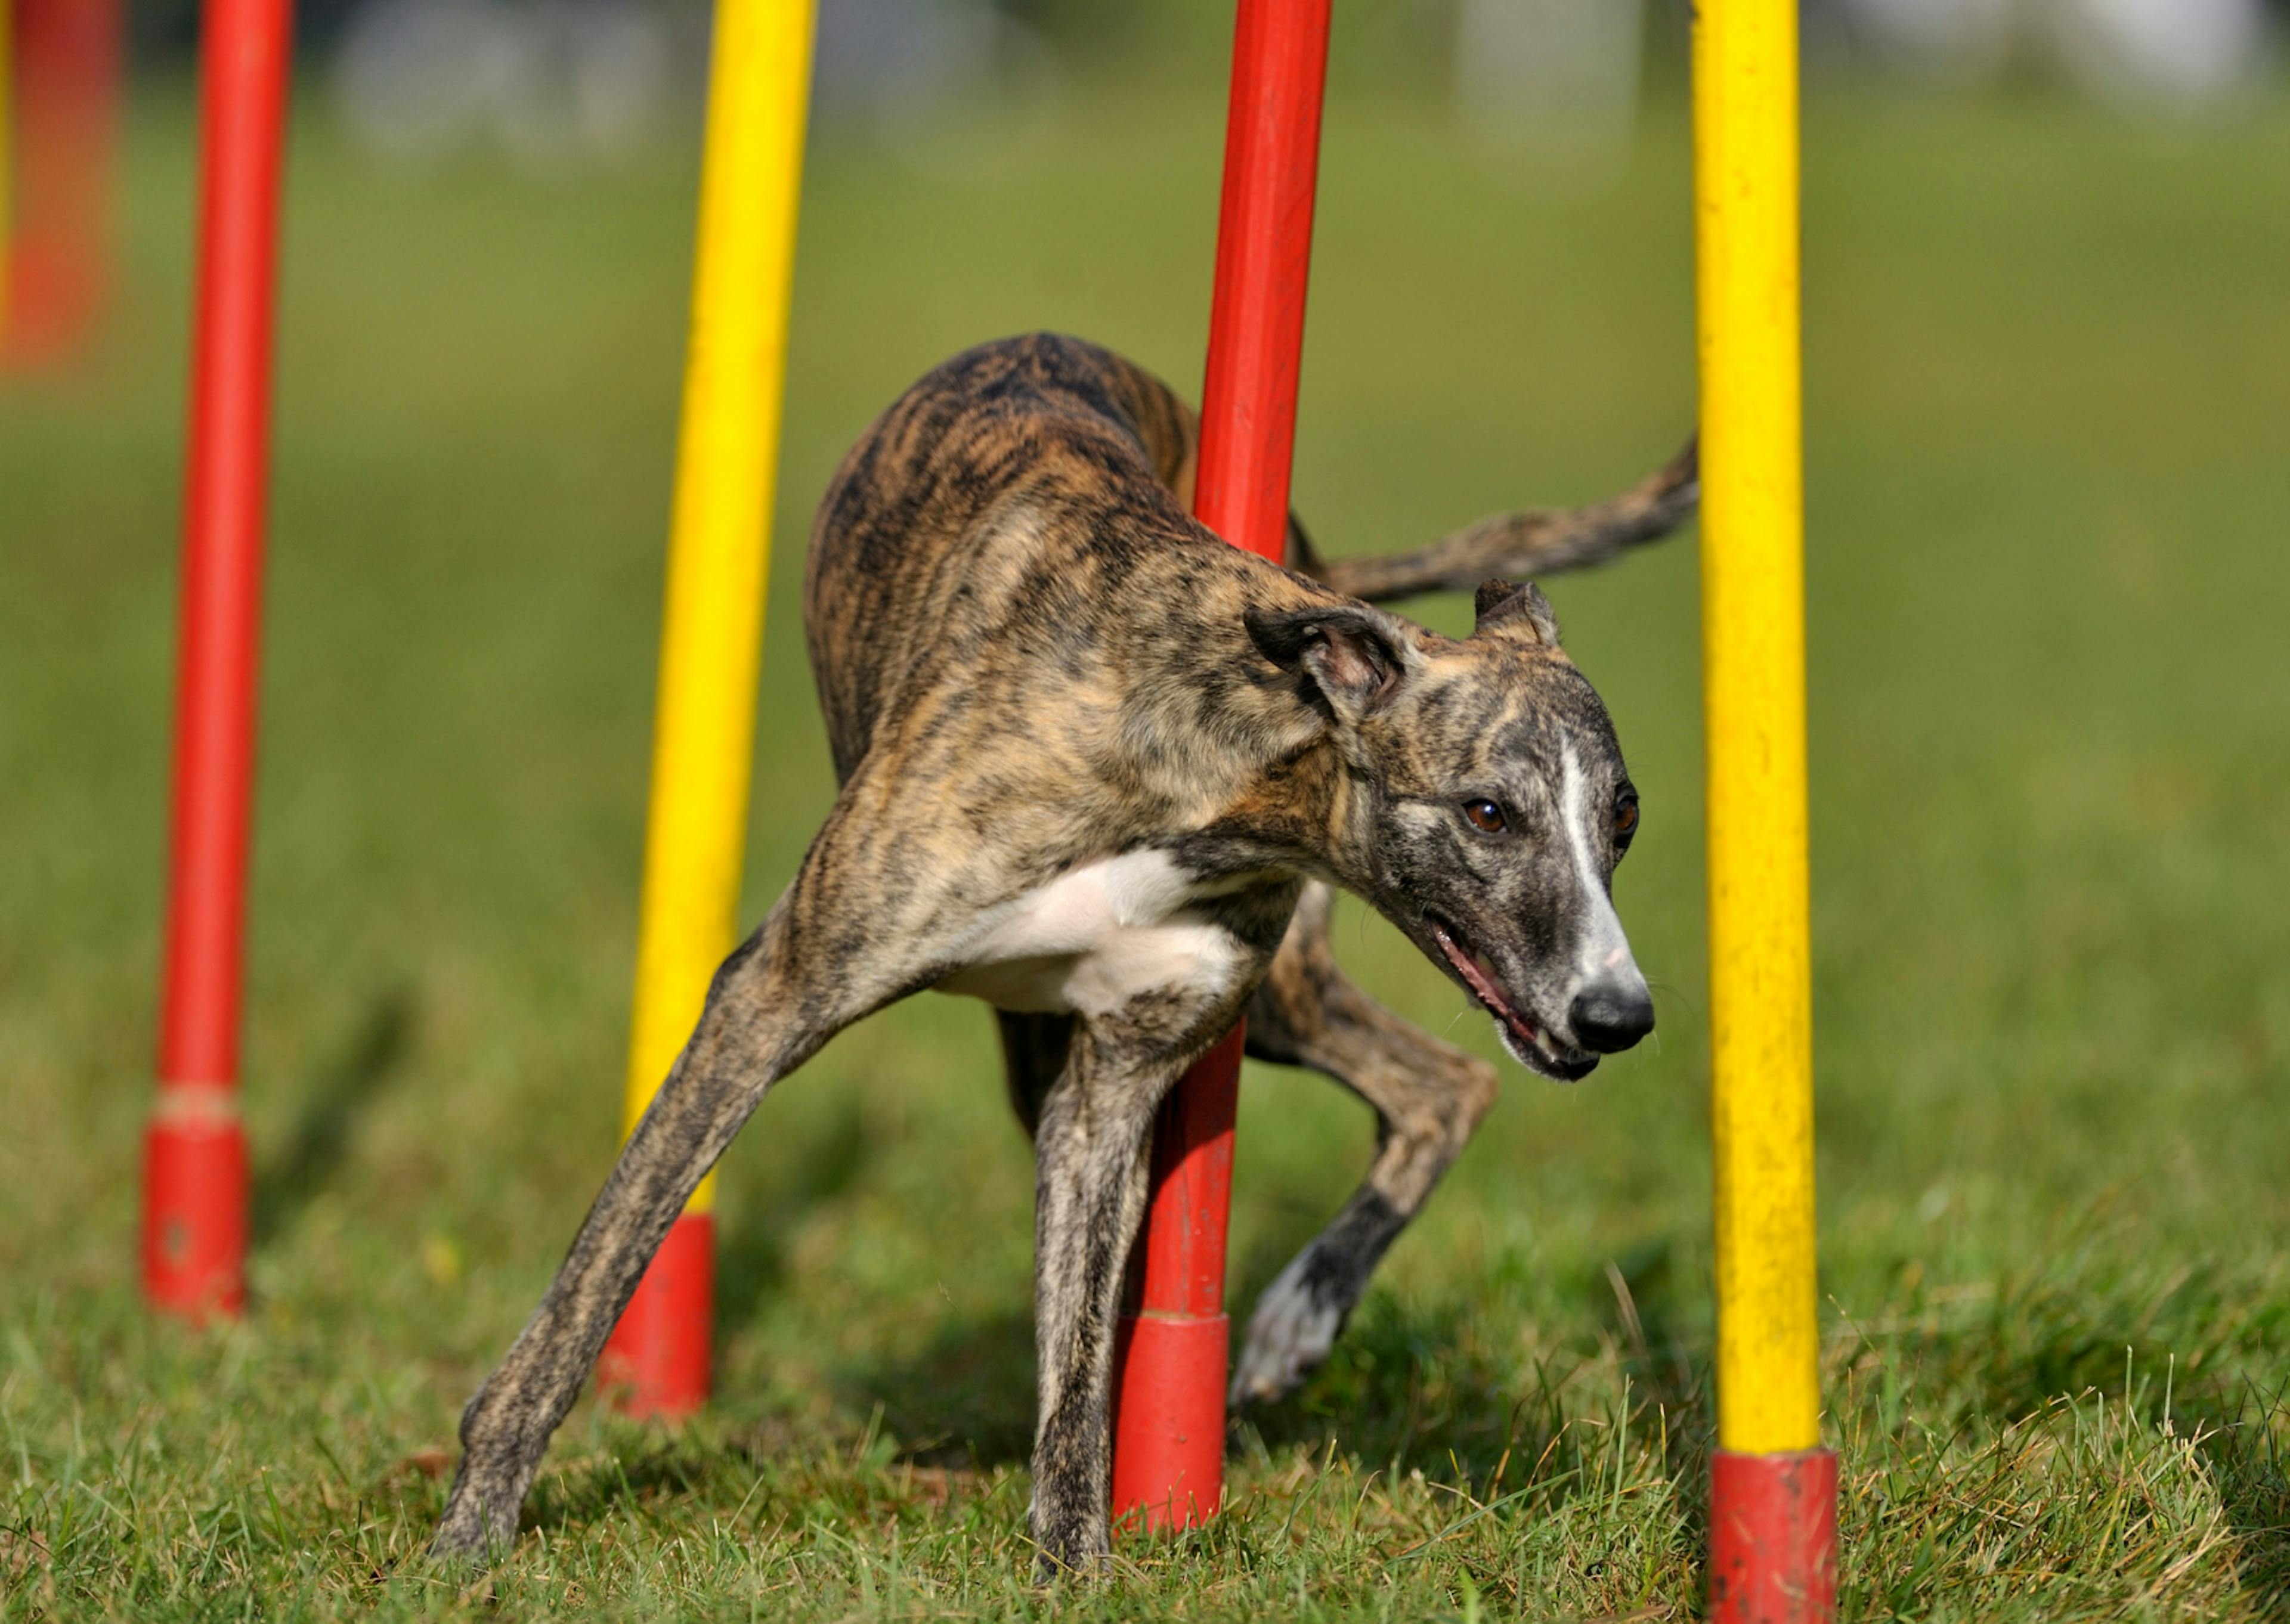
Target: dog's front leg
[1429,1097]
[1090,1153]
[1092,1149]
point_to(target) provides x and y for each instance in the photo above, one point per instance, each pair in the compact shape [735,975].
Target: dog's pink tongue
[1481,979]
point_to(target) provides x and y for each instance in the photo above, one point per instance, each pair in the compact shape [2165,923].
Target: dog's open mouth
[1529,1044]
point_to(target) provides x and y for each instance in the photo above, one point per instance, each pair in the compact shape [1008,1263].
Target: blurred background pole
[7,154]
[194,1174]
[1169,1381]
[1773,1509]
[65,61]
[711,638]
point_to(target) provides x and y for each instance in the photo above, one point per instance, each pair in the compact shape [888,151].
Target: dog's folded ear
[1506,609]
[1356,655]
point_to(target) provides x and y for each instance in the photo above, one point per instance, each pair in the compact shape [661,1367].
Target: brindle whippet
[1102,770]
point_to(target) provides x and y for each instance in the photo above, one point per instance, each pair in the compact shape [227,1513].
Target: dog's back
[968,511]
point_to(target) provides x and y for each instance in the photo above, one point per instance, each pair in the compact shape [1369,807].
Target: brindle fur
[1031,659]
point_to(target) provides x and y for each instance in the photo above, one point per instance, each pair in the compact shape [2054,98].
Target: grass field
[2049,396]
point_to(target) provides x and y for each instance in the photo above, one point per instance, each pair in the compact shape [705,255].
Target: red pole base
[1773,1538]
[656,1361]
[1168,1429]
[194,1198]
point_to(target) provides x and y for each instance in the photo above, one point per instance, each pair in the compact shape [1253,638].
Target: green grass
[2049,371]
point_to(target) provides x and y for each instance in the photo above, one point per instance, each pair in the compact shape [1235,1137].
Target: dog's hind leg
[1429,1097]
[832,950]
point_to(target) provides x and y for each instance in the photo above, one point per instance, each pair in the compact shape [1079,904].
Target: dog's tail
[1518,545]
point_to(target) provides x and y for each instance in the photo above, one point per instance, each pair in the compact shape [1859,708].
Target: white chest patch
[1096,937]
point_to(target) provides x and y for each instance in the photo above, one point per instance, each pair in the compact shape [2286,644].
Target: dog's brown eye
[1486,817]
[1626,819]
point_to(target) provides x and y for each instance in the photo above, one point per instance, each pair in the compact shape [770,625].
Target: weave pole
[63,107]
[1773,1501]
[7,153]
[194,1189]
[1174,1341]
[711,638]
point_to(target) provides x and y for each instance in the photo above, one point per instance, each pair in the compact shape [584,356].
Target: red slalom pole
[1173,1344]
[195,1173]
[68,60]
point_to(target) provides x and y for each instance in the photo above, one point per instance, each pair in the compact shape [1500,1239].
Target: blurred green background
[2048,399]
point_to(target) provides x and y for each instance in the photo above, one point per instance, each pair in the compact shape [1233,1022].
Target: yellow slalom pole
[712,639]
[1774,1487]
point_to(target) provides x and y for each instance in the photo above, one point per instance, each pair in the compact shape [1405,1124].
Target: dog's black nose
[1606,1019]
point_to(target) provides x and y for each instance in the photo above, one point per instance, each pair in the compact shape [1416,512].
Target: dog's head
[1484,807]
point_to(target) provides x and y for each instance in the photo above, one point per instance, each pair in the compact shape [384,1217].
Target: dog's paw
[1048,1568]
[1289,1334]
[1081,1549]
[476,1528]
